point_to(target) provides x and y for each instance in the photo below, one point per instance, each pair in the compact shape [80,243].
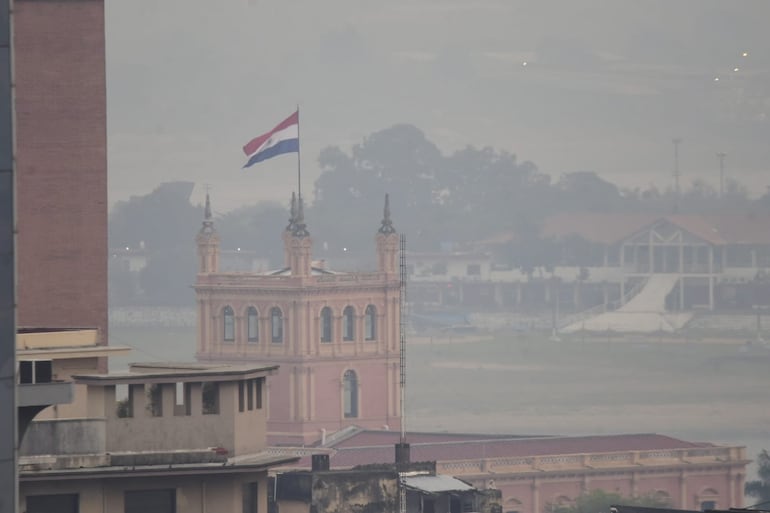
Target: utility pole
[677,190]
[9,481]
[721,156]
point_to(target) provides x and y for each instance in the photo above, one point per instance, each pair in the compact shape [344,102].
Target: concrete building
[379,488]
[532,472]
[186,437]
[677,265]
[334,334]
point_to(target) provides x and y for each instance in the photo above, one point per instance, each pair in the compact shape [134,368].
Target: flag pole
[299,169]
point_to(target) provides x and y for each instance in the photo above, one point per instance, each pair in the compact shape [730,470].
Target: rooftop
[168,372]
[367,447]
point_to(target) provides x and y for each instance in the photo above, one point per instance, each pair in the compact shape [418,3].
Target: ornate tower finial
[208,241]
[387,225]
[300,228]
[208,221]
[292,213]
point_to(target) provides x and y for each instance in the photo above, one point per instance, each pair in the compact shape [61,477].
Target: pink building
[533,472]
[334,334]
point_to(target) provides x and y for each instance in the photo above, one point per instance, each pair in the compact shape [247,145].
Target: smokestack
[320,462]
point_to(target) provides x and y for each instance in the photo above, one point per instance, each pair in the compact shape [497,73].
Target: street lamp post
[721,156]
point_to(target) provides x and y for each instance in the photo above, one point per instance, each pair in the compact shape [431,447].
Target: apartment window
[708,505]
[210,398]
[370,322]
[250,394]
[155,400]
[350,394]
[348,323]
[252,324]
[473,270]
[228,323]
[124,404]
[250,497]
[241,395]
[326,324]
[276,325]
[259,392]
[60,503]
[150,501]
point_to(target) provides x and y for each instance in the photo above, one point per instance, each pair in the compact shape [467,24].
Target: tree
[761,487]
[585,191]
[599,501]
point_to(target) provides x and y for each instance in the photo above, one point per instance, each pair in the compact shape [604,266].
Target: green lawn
[700,391]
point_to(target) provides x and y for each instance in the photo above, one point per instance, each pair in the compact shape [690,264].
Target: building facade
[693,264]
[61,164]
[334,334]
[161,438]
[534,472]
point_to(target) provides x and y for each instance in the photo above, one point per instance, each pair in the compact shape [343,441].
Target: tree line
[440,201]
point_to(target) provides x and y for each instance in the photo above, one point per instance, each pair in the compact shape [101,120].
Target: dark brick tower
[61,150]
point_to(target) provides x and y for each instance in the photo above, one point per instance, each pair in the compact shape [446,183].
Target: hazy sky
[606,86]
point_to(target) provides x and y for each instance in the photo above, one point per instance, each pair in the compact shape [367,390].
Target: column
[311,394]
[292,391]
[651,254]
[535,495]
[683,490]
[711,278]
[622,274]
[681,274]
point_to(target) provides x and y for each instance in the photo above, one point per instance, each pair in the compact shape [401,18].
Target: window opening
[228,319]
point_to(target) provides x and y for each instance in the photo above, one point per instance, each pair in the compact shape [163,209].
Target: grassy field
[697,390]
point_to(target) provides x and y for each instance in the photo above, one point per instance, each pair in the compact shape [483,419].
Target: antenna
[402,333]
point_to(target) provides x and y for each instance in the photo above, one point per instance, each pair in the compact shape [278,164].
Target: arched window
[370,323]
[276,325]
[252,324]
[350,394]
[228,324]
[348,323]
[326,324]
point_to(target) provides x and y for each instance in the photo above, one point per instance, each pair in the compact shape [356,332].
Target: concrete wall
[64,436]
[342,492]
[237,432]
[194,494]
[61,154]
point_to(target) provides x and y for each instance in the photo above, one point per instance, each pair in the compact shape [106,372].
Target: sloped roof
[603,228]
[359,449]
[726,229]
[437,484]
[612,228]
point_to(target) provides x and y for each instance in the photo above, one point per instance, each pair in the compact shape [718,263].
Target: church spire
[208,242]
[387,225]
[387,242]
[208,220]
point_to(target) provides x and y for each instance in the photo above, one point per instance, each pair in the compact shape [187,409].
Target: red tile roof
[367,447]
